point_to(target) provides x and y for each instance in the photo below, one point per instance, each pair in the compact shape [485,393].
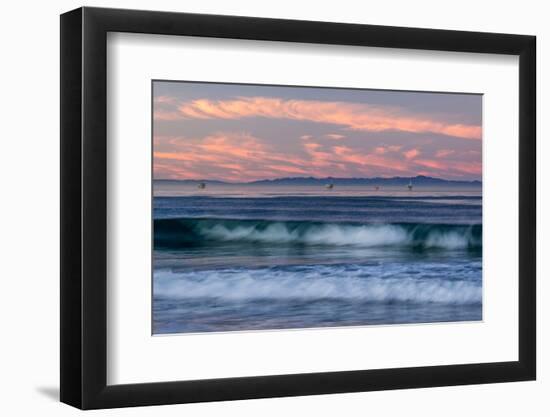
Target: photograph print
[288,207]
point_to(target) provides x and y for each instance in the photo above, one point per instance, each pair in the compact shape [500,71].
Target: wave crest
[316,283]
[174,233]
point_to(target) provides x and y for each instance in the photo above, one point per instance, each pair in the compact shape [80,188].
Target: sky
[241,133]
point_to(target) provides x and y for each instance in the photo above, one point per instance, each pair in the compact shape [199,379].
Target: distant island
[419,180]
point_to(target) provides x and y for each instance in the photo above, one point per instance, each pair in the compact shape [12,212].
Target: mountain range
[419,180]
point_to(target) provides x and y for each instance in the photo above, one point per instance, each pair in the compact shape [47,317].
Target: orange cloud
[350,115]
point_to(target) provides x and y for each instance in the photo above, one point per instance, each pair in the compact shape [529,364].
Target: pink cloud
[243,157]
[385,149]
[431,163]
[166,115]
[394,148]
[410,154]
[230,156]
[348,155]
[240,156]
[165,100]
[466,167]
[355,116]
[444,153]
[335,136]
[317,157]
[451,167]
[288,169]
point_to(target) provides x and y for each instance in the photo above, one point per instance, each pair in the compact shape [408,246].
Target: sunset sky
[240,133]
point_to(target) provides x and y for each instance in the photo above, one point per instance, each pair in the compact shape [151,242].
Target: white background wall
[29,172]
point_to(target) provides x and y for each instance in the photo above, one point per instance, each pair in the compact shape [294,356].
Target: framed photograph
[258,208]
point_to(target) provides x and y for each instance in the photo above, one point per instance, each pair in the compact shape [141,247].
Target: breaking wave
[362,283]
[182,233]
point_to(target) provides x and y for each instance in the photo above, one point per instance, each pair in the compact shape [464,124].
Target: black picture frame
[84,207]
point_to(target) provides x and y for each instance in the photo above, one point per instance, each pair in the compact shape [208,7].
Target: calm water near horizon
[234,257]
[180,189]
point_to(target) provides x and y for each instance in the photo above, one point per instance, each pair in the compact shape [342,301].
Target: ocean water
[252,258]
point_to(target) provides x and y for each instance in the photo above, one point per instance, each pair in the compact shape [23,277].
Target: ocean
[230,258]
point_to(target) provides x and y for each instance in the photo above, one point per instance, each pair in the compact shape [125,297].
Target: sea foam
[362,283]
